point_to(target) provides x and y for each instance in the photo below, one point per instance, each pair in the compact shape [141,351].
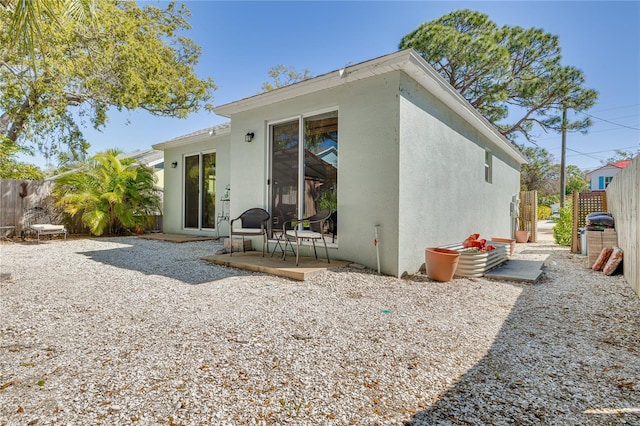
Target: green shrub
[544,212]
[564,226]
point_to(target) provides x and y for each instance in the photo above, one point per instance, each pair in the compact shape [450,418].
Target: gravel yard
[116,331]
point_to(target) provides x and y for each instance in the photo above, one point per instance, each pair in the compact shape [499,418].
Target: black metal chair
[253,223]
[311,228]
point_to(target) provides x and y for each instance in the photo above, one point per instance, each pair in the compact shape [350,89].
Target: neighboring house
[147,157]
[152,158]
[601,178]
[387,143]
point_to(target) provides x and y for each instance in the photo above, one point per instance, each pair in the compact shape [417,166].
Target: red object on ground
[472,241]
[602,259]
[614,261]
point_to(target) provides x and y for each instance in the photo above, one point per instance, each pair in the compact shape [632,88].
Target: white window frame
[200,154]
[300,118]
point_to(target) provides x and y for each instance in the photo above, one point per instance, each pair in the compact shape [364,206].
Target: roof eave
[197,136]
[430,79]
[322,82]
[408,61]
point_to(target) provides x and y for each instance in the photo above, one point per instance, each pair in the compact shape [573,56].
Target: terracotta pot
[511,242]
[522,236]
[441,263]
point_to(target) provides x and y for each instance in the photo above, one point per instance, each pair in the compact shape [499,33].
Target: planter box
[473,263]
[509,241]
[237,244]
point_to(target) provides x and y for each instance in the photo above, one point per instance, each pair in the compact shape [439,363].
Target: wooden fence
[623,199]
[16,196]
[583,204]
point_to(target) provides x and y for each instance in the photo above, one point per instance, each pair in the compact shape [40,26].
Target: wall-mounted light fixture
[248,137]
[174,164]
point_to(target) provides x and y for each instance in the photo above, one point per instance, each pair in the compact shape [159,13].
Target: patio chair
[253,223]
[37,221]
[312,228]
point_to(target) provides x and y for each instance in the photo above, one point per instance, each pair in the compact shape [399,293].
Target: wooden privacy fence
[623,199]
[528,215]
[585,203]
[18,195]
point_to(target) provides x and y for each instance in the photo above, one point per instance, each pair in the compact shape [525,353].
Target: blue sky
[242,40]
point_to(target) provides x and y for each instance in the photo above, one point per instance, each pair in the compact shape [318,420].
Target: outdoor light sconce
[248,137]
[174,164]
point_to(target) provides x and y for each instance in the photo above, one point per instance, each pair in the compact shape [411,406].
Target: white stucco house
[387,143]
[601,177]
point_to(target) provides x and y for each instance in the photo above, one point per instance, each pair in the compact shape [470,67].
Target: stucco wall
[368,173]
[367,163]
[443,193]
[174,181]
[405,163]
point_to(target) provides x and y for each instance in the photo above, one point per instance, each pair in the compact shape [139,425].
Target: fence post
[574,220]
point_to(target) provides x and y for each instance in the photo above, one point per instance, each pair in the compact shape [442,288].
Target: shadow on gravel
[554,361]
[182,262]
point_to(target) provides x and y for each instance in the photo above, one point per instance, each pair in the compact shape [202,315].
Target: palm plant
[27,18]
[110,194]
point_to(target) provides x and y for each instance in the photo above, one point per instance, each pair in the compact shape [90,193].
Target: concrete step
[518,270]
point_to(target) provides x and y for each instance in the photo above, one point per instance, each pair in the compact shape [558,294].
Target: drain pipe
[376,243]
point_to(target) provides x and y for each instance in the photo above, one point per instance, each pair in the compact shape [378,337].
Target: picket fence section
[585,203]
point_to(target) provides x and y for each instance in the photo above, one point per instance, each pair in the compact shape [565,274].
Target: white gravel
[131,331]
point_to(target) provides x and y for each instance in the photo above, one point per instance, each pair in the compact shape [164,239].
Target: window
[200,191]
[488,166]
[607,181]
[304,168]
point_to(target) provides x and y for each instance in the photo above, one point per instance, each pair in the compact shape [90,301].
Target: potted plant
[522,236]
[441,263]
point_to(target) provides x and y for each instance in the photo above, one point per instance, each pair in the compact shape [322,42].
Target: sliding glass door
[200,191]
[284,172]
[304,168]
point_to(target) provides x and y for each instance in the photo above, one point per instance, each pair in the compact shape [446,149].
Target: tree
[284,76]
[10,168]
[539,174]
[498,68]
[26,17]
[110,194]
[132,58]
[575,180]
[619,156]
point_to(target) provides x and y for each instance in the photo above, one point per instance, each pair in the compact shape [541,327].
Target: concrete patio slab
[253,261]
[518,270]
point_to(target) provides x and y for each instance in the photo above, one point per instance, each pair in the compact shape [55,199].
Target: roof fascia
[419,70]
[198,136]
[408,61]
[329,80]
